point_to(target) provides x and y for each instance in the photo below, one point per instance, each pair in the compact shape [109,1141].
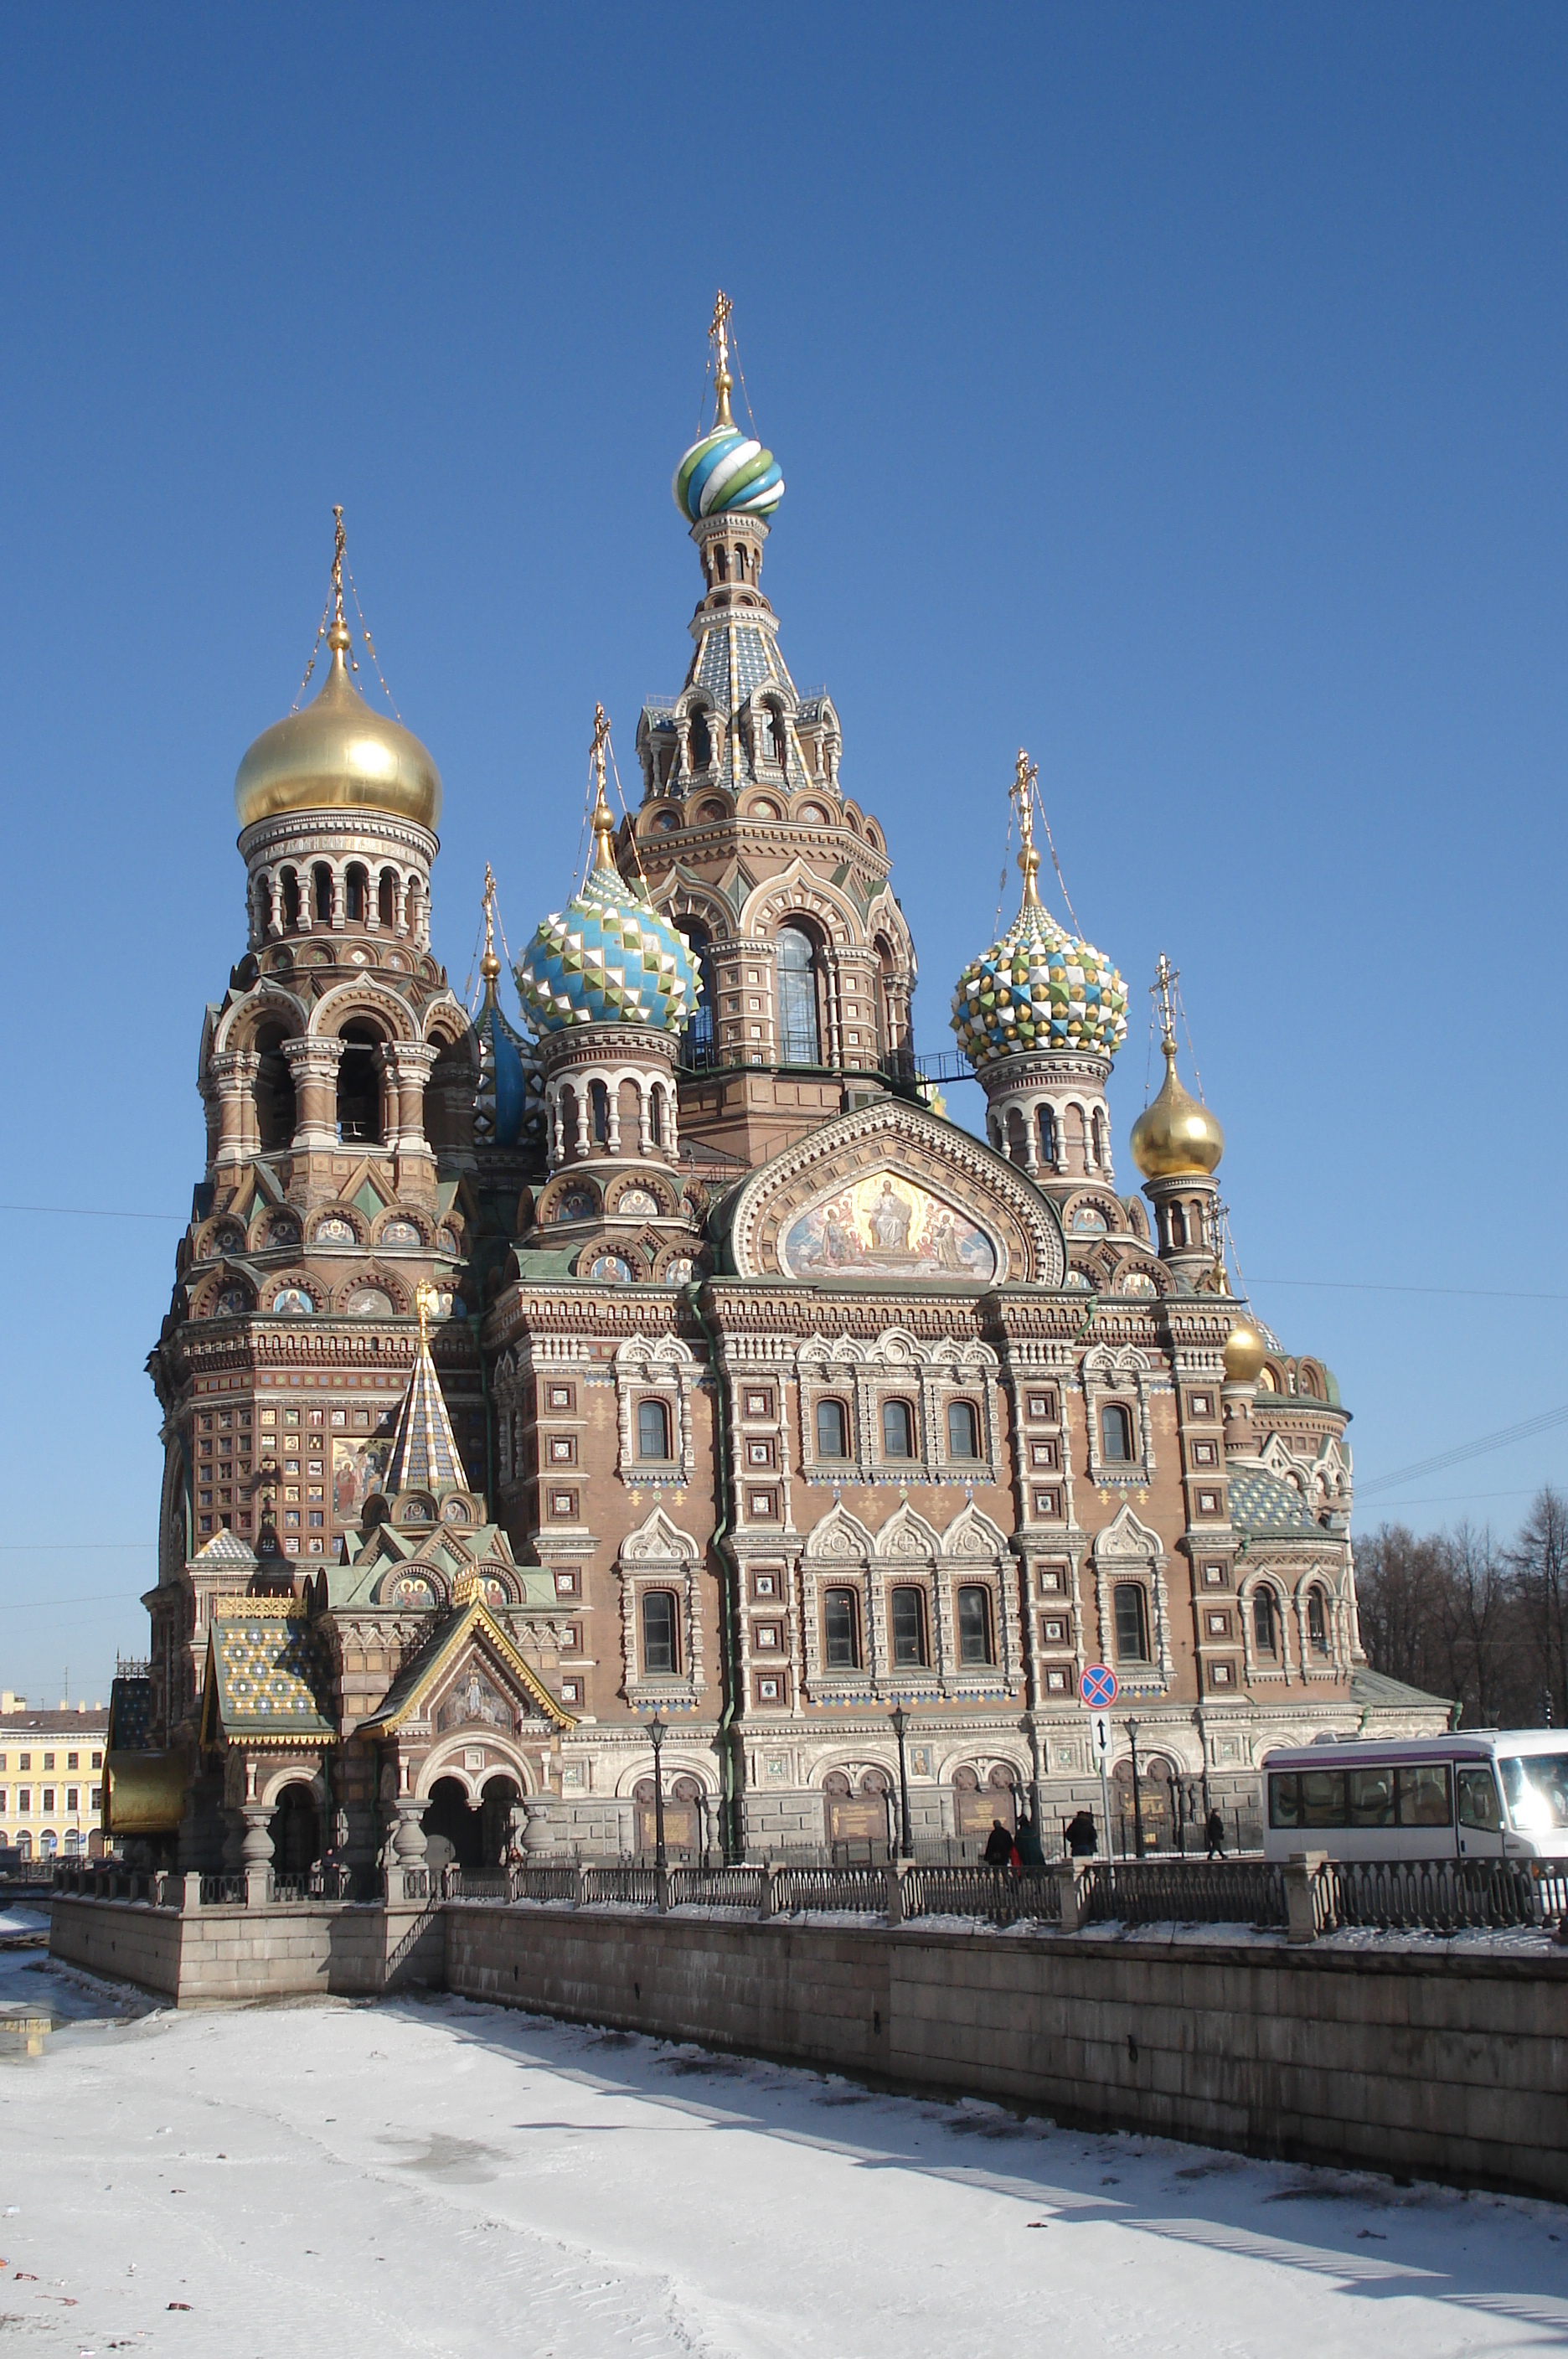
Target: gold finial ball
[338,755]
[1176,1138]
[1245,1354]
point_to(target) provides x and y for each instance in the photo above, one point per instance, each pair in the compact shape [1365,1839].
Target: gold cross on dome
[1165,974]
[718,329]
[1022,796]
[426,1300]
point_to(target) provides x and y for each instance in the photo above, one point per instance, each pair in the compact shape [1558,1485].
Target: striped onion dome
[1038,989]
[607,958]
[727,473]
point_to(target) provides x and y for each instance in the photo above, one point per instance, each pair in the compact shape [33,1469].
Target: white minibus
[1495,1794]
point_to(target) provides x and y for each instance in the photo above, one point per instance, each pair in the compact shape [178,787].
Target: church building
[658,1361]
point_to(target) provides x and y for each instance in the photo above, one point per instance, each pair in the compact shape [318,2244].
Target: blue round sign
[1098,1688]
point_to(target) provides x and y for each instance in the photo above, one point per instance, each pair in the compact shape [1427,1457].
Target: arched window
[906,1613]
[275,1114]
[290,884]
[799,1038]
[700,743]
[1115,1435]
[889,1033]
[599,1112]
[653,1429]
[1131,1607]
[1177,1224]
[974,1626]
[697,1034]
[841,1630]
[1099,1137]
[1317,1622]
[354,897]
[1265,1636]
[387,898]
[1048,1136]
[656,1115]
[322,894]
[898,1430]
[660,1654]
[411,907]
[833,1430]
[962,1430]
[359,1087]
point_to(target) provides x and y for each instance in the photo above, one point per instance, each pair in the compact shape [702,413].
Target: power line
[1373,1286]
[48,1604]
[1447,1458]
[93,1213]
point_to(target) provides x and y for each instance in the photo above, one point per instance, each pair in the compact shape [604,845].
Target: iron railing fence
[1436,1896]
[858,1888]
[1187,1891]
[715,1888]
[636,1887]
[544,1882]
[995,1895]
[223,1891]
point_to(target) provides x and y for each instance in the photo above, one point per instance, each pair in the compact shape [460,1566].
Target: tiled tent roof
[130,1713]
[424,1455]
[271,1673]
[1264,1506]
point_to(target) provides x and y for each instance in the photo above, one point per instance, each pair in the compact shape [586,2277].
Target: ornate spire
[1176,1136]
[424,1454]
[723,383]
[603,823]
[1027,772]
[338,637]
[1165,974]
[489,964]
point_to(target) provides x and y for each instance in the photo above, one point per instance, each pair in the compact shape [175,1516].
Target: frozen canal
[440,2178]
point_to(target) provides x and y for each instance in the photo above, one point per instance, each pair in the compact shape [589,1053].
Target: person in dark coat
[1031,1852]
[998,1848]
[1083,1835]
[1214,1835]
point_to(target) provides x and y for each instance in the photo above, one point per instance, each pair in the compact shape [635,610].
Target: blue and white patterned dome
[1038,989]
[607,958]
[727,473]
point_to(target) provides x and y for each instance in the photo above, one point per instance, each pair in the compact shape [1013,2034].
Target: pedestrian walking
[1083,1835]
[998,1848]
[1031,1852]
[1214,1835]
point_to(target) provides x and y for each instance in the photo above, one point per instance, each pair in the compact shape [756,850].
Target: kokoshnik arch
[671,1351]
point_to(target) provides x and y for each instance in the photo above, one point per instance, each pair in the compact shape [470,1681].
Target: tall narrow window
[831,1430]
[1131,1605]
[799,1038]
[1115,1435]
[659,1659]
[697,1035]
[386,899]
[974,1626]
[354,897]
[599,1112]
[962,1430]
[898,1430]
[1317,1622]
[701,744]
[656,1115]
[841,1630]
[1048,1137]
[290,884]
[359,1087]
[1263,1630]
[908,1616]
[652,1430]
[322,884]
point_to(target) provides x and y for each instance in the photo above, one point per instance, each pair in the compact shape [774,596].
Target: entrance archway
[501,1796]
[296,1832]
[454,1830]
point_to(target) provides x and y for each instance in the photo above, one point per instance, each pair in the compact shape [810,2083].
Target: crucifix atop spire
[723,383]
[1023,791]
[489,964]
[603,825]
[1165,974]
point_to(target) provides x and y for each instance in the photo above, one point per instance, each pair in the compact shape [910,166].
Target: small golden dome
[1175,1136]
[1245,1354]
[338,756]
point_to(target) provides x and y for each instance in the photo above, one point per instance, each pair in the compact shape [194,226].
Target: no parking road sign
[1097,1687]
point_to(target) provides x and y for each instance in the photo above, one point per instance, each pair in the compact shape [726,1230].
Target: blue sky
[1177,392]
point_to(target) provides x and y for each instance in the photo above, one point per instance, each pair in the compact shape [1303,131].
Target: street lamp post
[900,1720]
[656,1728]
[1137,1804]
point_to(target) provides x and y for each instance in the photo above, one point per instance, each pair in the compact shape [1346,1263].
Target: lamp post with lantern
[900,1720]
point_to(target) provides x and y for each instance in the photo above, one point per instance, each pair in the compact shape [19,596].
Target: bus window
[1537,1789]
[1372,1797]
[1478,1805]
[1423,1795]
[1322,1797]
[1284,1800]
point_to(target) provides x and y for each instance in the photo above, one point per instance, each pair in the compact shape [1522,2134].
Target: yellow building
[52,1778]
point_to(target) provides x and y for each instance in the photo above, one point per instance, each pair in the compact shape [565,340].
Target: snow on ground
[435,2176]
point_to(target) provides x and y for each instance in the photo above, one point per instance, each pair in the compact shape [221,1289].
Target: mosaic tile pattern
[1036,989]
[424,1455]
[273,1675]
[607,958]
[1263,1504]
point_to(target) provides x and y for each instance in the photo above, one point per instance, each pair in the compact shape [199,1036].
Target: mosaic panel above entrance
[886,1227]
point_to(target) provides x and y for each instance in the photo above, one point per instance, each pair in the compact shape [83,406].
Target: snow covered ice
[436,2177]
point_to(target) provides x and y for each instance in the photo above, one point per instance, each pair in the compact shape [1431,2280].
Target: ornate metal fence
[860,1888]
[1437,1895]
[715,1888]
[1189,1892]
[638,1888]
[995,1894]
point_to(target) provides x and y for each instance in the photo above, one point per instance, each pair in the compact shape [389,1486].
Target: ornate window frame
[1128,1550]
[659,1555]
[661,1369]
[1124,1377]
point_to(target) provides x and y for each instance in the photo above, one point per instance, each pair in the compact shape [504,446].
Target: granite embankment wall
[1451,2065]
[211,1957]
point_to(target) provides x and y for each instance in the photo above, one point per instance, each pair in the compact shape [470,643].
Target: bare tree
[1401,1589]
[1539,1564]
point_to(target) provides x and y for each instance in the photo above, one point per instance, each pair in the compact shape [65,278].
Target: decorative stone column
[538,1831]
[256,1852]
[313,1065]
[232,1078]
[409,1841]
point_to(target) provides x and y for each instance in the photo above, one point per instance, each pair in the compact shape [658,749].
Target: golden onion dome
[1245,1354]
[338,755]
[1175,1137]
